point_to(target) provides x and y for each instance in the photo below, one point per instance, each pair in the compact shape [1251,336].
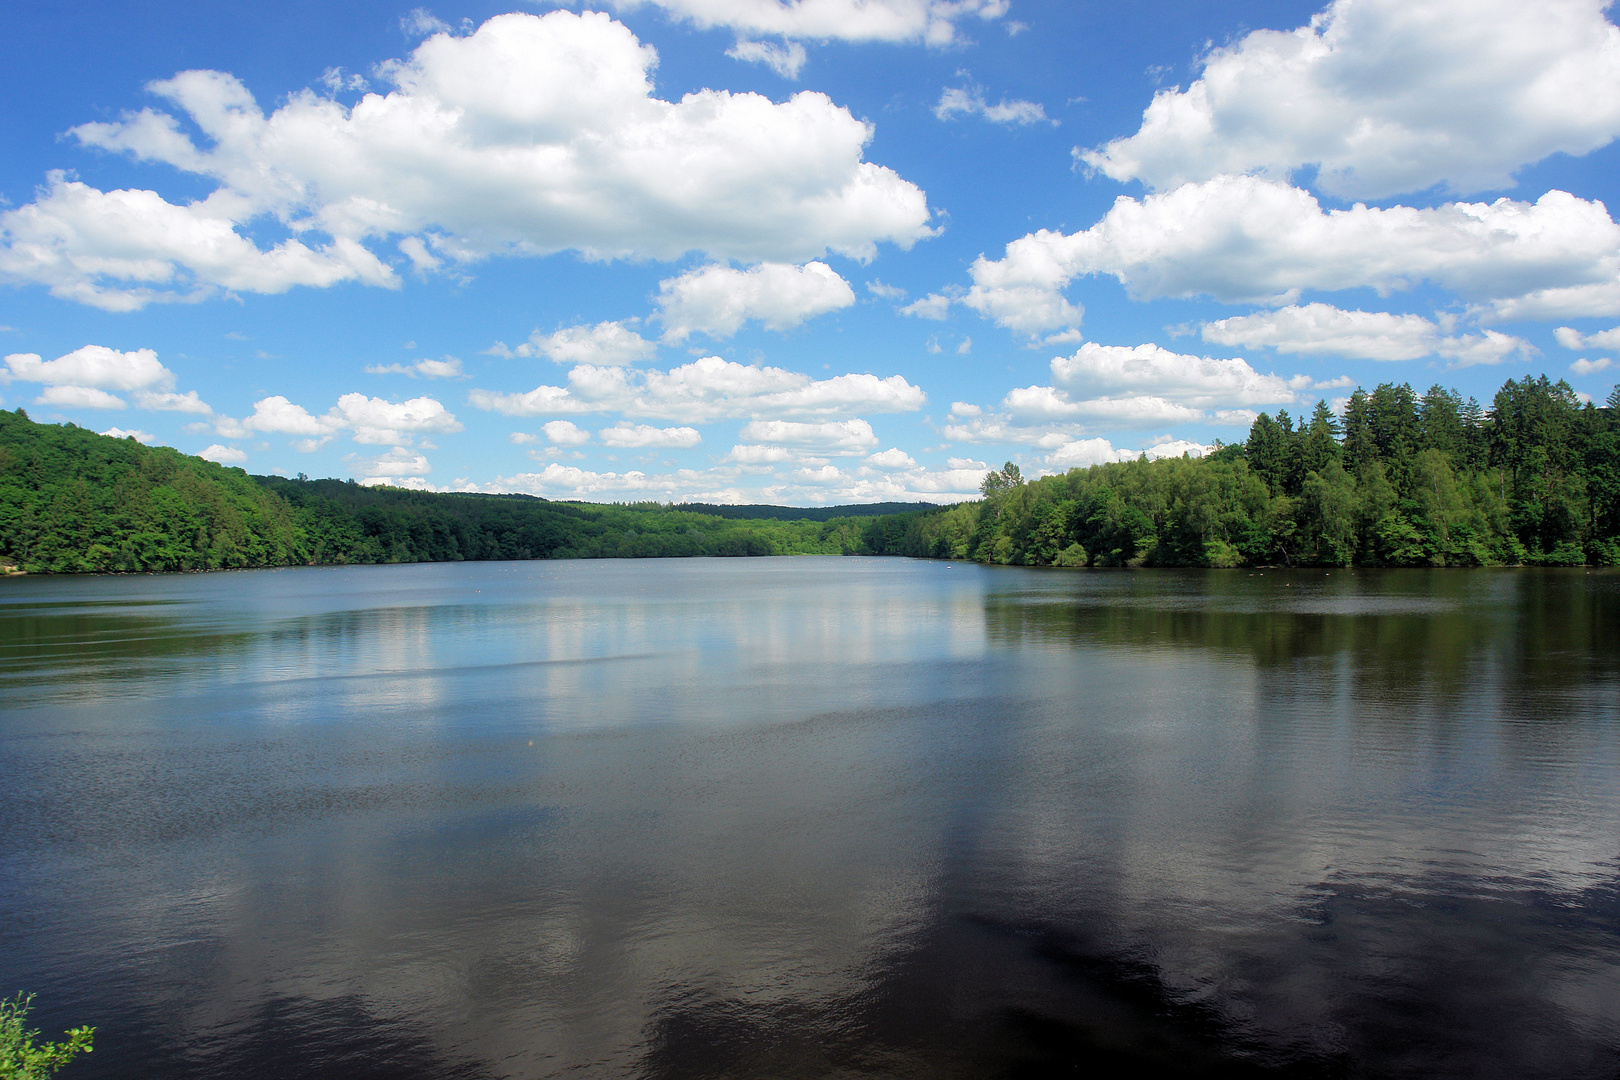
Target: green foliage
[1403,481]
[21,1058]
[1406,481]
[72,501]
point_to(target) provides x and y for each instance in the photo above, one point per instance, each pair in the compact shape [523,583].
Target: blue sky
[822,252]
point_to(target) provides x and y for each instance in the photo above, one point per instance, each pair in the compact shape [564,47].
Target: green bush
[21,1058]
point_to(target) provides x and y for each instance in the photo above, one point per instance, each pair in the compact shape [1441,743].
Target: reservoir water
[815,817]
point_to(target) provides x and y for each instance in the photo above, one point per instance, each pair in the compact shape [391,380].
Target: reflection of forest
[1545,636]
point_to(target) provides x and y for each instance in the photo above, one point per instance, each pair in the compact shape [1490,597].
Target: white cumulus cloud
[382,422]
[397,462]
[1324,330]
[1388,96]
[79,397]
[1200,381]
[892,458]
[224,455]
[531,135]
[831,437]
[603,344]
[1104,387]
[707,389]
[644,436]
[1083,453]
[969,101]
[717,300]
[376,421]
[93,366]
[1570,338]
[565,433]
[786,60]
[1246,239]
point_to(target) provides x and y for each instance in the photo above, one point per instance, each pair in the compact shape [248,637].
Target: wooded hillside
[72,501]
[1403,480]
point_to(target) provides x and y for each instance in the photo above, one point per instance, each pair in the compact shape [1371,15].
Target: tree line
[73,501]
[1398,480]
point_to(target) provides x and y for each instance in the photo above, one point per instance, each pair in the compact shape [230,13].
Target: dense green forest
[1400,480]
[72,501]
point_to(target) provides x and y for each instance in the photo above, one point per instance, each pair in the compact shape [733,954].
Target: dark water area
[815,817]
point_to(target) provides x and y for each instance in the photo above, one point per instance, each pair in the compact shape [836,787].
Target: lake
[815,817]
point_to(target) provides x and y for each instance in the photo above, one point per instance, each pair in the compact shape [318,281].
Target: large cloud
[1321,329]
[84,377]
[717,300]
[705,390]
[1389,96]
[370,420]
[93,365]
[121,250]
[1109,387]
[535,134]
[1200,381]
[1245,239]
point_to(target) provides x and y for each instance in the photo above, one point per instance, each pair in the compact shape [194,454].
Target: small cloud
[965,348]
[421,258]
[969,101]
[1584,366]
[167,401]
[123,433]
[892,458]
[448,368]
[642,436]
[523,438]
[421,22]
[606,344]
[224,455]
[933,306]
[887,292]
[336,81]
[565,433]
[785,60]
[1572,339]
[234,336]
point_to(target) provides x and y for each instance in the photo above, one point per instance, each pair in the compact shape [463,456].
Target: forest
[73,501]
[1397,480]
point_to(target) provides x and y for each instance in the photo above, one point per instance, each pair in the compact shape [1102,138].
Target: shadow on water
[977,996]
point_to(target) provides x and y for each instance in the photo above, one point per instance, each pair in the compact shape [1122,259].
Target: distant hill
[73,501]
[802,513]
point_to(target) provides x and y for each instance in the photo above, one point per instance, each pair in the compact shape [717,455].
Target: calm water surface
[815,818]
